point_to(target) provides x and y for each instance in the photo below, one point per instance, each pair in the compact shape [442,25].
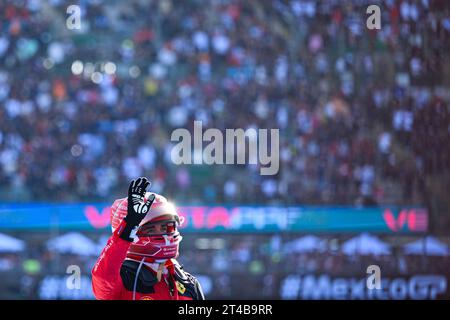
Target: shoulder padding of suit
[146,278]
[191,284]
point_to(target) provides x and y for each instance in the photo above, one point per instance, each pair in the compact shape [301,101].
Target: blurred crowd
[363,114]
[262,255]
[227,261]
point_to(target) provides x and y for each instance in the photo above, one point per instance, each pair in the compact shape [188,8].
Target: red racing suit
[116,278]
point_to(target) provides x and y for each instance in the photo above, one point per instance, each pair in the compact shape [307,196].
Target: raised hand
[137,207]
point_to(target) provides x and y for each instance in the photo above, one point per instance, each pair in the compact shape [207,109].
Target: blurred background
[364,123]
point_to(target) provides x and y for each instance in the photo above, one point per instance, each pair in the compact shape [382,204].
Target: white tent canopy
[74,243]
[10,244]
[365,244]
[305,244]
[428,245]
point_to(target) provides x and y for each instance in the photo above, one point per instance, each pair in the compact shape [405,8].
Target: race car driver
[138,261]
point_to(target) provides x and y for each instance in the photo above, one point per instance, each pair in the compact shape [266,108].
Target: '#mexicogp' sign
[226,219]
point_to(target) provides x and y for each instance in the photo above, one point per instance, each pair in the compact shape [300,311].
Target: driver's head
[165,224]
[157,236]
